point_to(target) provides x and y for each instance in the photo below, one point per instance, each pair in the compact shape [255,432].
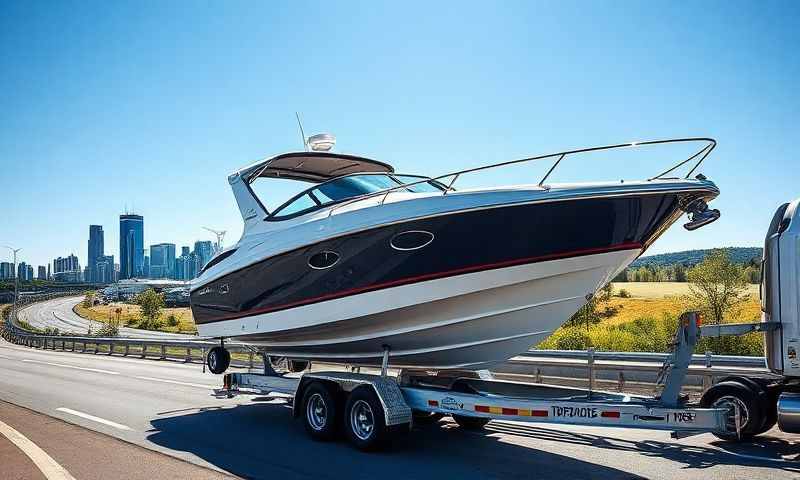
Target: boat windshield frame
[275,215]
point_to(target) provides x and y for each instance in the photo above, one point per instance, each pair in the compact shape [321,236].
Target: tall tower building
[162,260]
[131,246]
[94,252]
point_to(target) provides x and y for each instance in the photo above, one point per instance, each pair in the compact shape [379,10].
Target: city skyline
[71,262]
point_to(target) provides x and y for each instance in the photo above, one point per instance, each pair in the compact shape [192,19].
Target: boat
[367,262]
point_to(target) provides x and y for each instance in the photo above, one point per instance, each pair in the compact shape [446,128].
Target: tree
[717,285]
[588,314]
[151,304]
[88,300]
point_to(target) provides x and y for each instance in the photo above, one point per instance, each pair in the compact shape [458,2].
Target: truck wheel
[766,399]
[320,412]
[218,360]
[730,395]
[471,423]
[365,422]
[426,418]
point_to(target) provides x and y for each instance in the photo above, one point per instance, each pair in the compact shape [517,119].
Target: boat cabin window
[347,187]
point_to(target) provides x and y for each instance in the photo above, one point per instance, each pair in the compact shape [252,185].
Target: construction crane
[220,236]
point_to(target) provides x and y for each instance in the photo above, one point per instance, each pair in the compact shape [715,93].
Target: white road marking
[96,370]
[4,357]
[164,380]
[93,418]
[44,462]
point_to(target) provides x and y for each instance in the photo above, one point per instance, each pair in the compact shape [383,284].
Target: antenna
[220,236]
[302,133]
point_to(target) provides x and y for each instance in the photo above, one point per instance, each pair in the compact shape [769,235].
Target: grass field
[131,314]
[662,289]
[647,320]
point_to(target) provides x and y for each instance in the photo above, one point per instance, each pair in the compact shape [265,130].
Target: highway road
[167,407]
[58,313]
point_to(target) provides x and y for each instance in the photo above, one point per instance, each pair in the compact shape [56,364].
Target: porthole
[411,240]
[324,259]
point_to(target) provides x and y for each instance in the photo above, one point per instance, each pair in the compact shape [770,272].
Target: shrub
[623,293]
[172,321]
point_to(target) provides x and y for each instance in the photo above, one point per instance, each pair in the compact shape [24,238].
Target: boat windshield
[350,186]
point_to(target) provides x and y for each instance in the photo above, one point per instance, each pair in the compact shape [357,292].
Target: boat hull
[468,321]
[458,290]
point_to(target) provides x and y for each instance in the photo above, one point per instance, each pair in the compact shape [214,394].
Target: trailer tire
[471,423]
[365,420]
[218,360]
[320,412]
[728,394]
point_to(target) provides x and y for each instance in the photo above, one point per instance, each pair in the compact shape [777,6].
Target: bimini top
[313,166]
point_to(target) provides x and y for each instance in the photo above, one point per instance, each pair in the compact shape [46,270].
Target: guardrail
[616,369]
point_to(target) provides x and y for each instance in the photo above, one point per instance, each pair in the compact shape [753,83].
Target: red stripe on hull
[432,276]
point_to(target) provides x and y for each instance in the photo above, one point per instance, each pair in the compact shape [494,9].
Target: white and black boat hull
[461,289]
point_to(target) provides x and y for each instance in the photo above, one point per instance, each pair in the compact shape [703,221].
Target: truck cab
[780,291]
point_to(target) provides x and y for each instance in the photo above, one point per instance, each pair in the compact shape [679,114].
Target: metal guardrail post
[188,358]
[590,353]
[111,348]
[708,378]
[621,381]
[144,350]
[127,349]
[163,352]
[538,377]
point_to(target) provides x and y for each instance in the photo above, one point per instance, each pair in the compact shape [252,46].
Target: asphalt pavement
[168,407]
[58,313]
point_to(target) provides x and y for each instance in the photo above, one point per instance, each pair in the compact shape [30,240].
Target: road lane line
[4,357]
[93,418]
[96,370]
[164,380]
[44,462]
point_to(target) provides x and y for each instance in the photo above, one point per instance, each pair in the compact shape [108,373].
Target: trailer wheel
[320,412]
[471,423]
[364,420]
[218,360]
[732,395]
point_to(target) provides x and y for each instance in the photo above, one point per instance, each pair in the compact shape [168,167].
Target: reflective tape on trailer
[512,412]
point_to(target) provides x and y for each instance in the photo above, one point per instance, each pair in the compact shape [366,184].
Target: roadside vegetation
[643,317]
[146,312]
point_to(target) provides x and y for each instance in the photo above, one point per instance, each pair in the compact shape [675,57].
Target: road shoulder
[87,454]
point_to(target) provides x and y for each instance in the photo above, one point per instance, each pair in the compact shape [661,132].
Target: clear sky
[149,105]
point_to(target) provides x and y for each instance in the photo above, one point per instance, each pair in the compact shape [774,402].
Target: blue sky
[149,105]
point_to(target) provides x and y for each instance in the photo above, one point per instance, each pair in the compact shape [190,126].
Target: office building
[204,251]
[131,246]
[42,273]
[22,271]
[29,273]
[95,251]
[104,270]
[67,270]
[6,270]
[162,260]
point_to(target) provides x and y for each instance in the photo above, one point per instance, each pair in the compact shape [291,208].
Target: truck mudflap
[634,414]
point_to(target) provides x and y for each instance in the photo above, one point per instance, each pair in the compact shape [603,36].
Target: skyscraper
[94,252]
[204,251]
[42,273]
[131,246]
[162,260]
[6,270]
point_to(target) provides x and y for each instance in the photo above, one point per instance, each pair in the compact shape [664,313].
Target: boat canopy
[316,166]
